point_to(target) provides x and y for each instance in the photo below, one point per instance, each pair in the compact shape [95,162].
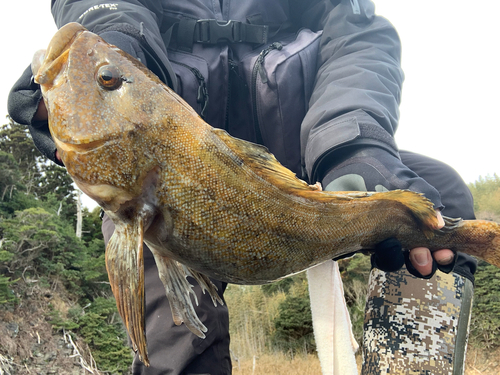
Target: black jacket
[358,77]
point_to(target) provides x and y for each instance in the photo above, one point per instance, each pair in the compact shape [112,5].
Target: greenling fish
[207,204]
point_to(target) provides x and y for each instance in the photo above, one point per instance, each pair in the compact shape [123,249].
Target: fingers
[41,113]
[444,256]
[421,259]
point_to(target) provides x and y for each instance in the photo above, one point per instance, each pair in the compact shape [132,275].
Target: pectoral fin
[125,265]
[179,291]
[205,283]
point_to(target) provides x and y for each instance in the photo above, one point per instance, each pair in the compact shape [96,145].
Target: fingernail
[420,257]
[445,261]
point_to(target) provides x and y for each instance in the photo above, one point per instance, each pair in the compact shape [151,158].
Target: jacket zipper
[202,95]
[233,68]
[259,70]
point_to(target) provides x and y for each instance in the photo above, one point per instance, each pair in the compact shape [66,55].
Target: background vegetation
[47,272]
[51,278]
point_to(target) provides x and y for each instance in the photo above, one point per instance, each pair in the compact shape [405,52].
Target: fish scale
[206,204]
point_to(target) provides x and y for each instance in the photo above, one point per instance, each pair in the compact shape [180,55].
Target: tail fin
[479,238]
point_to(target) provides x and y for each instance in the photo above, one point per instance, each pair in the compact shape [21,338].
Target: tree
[38,241]
[486,193]
[9,176]
[485,321]
[16,141]
[293,329]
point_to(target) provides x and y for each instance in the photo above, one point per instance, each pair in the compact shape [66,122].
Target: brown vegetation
[478,363]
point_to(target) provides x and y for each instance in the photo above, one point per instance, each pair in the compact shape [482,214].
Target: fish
[208,205]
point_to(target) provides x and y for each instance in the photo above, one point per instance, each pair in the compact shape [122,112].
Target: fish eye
[109,77]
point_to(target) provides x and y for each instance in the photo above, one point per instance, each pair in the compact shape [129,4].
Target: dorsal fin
[264,164]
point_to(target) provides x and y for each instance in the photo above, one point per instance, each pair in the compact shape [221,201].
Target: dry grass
[482,362]
[478,362]
[277,364]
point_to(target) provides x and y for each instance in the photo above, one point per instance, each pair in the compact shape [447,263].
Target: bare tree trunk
[79,214]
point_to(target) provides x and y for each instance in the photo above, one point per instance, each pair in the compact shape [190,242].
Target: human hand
[26,107]
[422,259]
[41,114]
[375,169]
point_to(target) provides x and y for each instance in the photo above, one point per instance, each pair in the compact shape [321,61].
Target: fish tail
[125,266]
[479,238]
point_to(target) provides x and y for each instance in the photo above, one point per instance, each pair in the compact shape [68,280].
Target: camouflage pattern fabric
[416,326]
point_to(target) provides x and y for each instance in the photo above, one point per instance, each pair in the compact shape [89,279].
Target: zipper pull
[202,97]
[261,58]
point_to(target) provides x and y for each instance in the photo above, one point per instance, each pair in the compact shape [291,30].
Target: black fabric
[22,104]
[24,98]
[43,140]
[185,33]
[388,255]
[455,195]
[125,43]
[213,32]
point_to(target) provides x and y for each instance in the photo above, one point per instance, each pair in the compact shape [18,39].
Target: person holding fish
[318,83]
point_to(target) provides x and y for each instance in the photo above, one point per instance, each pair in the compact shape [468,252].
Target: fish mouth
[47,65]
[81,148]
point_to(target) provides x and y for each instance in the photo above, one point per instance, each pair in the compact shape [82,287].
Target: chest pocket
[280,78]
[192,77]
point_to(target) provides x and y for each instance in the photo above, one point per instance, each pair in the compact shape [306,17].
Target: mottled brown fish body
[206,204]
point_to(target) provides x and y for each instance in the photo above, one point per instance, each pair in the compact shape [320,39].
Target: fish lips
[47,65]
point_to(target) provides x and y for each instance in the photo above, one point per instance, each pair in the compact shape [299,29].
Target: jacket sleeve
[357,91]
[139,19]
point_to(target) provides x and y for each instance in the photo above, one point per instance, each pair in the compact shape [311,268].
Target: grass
[482,362]
[277,364]
[479,362]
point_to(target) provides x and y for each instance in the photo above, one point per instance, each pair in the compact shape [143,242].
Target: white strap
[331,321]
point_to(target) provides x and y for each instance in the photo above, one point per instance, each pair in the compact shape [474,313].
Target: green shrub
[102,330]
[6,294]
[293,330]
[485,320]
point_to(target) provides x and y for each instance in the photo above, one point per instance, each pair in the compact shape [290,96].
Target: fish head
[101,105]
